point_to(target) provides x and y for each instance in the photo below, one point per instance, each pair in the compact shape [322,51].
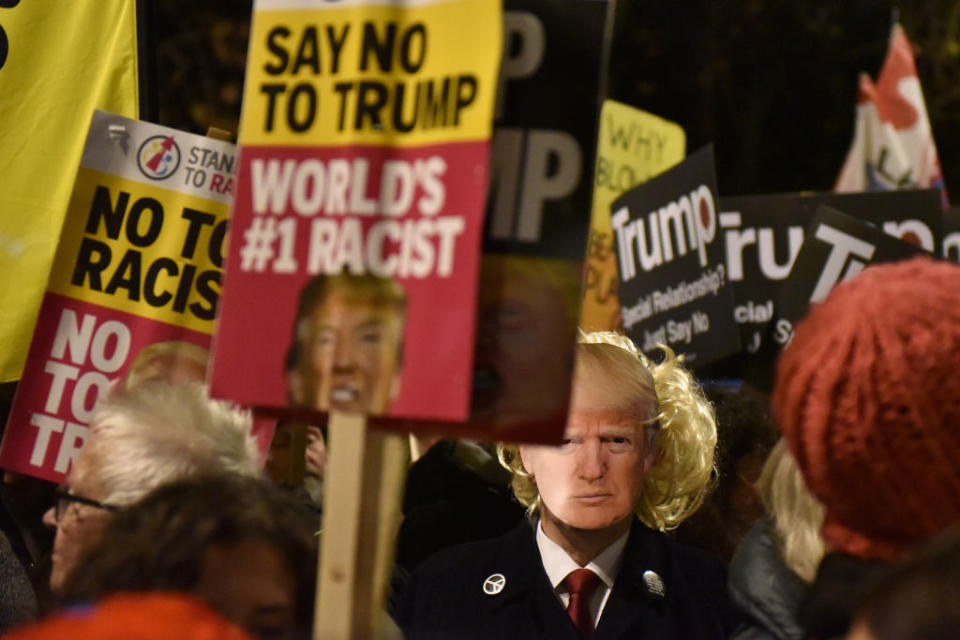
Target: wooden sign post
[361,510]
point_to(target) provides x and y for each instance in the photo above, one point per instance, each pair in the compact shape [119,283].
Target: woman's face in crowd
[250,583]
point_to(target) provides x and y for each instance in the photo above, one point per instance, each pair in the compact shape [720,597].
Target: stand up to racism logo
[158,157]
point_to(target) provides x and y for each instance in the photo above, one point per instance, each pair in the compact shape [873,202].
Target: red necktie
[580,584]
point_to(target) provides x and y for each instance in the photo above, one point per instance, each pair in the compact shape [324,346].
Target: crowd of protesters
[669,510]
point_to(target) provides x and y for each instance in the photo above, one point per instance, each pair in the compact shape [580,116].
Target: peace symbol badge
[494,584]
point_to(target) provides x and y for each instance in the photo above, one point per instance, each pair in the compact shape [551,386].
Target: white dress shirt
[558,566]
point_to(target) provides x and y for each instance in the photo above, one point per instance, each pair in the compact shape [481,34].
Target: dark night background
[771,83]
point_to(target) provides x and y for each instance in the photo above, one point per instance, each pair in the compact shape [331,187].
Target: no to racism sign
[135,284]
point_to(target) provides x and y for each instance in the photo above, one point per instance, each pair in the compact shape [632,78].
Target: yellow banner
[632,147]
[142,249]
[61,60]
[366,74]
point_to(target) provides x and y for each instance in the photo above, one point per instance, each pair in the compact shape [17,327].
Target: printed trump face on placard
[347,345]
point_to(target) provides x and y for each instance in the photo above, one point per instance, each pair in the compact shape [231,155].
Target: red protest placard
[352,269]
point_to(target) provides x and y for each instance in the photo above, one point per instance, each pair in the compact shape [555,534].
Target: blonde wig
[797,515]
[678,419]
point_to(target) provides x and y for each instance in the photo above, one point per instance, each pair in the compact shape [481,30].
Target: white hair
[156,432]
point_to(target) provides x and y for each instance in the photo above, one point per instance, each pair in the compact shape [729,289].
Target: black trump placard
[762,236]
[837,248]
[674,288]
[545,130]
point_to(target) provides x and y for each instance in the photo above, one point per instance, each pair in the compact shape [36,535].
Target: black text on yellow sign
[400,104]
[417,74]
[134,248]
[128,273]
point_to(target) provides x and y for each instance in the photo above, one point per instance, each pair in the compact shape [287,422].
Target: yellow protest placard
[134,287]
[58,62]
[359,76]
[632,147]
[123,246]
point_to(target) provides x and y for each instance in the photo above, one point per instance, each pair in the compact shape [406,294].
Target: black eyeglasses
[64,498]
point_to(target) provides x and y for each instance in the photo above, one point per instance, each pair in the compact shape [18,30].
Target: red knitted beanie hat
[868,398]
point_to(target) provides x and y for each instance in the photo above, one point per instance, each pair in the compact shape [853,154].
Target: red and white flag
[893,144]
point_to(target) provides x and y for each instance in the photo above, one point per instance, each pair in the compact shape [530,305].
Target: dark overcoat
[455,593]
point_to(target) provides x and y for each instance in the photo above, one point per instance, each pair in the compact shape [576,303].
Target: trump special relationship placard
[673,283]
[134,287]
[352,268]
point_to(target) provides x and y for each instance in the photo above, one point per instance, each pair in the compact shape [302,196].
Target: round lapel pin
[494,584]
